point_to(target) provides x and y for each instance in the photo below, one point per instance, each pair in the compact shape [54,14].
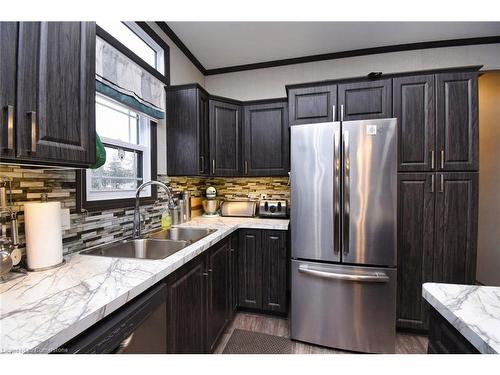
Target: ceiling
[225,44]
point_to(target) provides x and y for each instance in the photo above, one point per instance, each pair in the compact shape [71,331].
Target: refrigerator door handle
[347,190]
[375,277]
[336,173]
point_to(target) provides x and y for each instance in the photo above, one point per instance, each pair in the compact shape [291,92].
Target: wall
[270,82]
[488,256]
[181,71]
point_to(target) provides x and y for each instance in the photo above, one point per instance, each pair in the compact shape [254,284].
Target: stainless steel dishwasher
[139,327]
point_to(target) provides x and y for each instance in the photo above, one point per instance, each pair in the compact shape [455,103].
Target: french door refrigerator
[343,221]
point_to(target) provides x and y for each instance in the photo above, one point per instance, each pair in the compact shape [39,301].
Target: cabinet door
[250,265]
[218,293]
[225,138]
[186,305]
[456,227]
[203,134]
[56,92]
[415,247]
[184,138]
[457,121]
[266,145]
[274,271]
[414,107]
[309,105]
[8,63]
[365,100]
[233,266]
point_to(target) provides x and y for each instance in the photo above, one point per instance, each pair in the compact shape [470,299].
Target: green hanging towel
[100,153]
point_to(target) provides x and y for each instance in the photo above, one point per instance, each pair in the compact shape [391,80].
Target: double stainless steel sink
[156,245]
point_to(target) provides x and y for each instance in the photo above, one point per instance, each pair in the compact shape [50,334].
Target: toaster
[272,208]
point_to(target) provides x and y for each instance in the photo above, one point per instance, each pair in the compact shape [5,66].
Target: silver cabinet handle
[442,159]
[432,159]
[205,273]
[342,112]
[213,166]
[333,113]
[32,115]
[347,191]
[336,173]
[246,167]
[10,127]
[375,277]
[441,190]
[123,345]
[432,183]
[202,159]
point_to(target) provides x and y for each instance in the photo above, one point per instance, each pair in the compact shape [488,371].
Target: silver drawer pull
[10,127]
[33,130]
[376,277]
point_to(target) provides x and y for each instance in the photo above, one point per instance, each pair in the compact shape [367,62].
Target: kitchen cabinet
[311,104]
[415,108]
[186,303]
[218,293]
[437,237]
[187,131]
[457,132]
[446,339]
[263,276]
[415,247]
[266,149]
[250,266]
[8,46]
[365,100]
[55,104]
[233,270]
[456,227]
[225,138]
[274,271]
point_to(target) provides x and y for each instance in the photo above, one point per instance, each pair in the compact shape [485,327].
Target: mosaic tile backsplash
[94,228]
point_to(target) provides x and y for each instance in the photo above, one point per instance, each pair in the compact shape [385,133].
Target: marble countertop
[42,311]
[473,310]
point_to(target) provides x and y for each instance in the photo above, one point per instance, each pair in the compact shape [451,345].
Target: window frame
[108,38]
[106,204]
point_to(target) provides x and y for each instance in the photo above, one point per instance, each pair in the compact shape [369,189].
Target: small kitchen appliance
[272,208]
[211,204]
[239,208]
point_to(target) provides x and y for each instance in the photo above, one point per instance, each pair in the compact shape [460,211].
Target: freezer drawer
[344,307]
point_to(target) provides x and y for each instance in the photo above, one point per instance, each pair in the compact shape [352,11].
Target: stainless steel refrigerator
[343,221]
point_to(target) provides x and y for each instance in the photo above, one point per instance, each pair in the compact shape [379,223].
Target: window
[129,139]
[138,41]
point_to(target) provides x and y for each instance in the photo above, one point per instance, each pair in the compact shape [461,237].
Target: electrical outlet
[263,196]
[65,222]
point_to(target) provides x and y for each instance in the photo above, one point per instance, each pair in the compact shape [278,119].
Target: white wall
[270,82]
[488,249]
[182,70]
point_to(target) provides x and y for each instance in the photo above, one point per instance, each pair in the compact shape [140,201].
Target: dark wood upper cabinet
[365,100]
[266,141]
[457,135]
[186,304]
[415,247]
[250,269]
[456,227]
[274,271]
[225,138]
[217,293]
[8,63]
[55,112]
[187,131]
[312,104]
[414,107]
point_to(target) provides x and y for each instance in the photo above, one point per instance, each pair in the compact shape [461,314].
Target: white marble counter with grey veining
[473,310]
[42,311]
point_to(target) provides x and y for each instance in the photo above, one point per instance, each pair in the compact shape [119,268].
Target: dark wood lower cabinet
[263,265]
[186,304]
[445,339]
[233,269]
[217,293]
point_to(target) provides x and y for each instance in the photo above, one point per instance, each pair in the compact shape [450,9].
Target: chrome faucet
[137,216]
